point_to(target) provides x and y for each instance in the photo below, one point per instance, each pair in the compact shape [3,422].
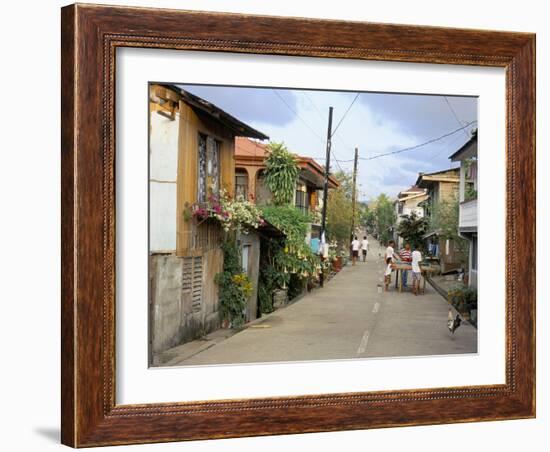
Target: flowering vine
[233,214]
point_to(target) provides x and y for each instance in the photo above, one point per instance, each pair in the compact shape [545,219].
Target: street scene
[298,225]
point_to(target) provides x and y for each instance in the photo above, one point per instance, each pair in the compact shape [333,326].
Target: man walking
[354,250]
[405,256]
[364,247]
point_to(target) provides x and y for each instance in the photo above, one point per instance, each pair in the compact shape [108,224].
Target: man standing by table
[390,251]
[405,256]
[416,270]
[389,257]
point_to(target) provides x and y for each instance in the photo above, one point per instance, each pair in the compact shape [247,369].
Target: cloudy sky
[376,123]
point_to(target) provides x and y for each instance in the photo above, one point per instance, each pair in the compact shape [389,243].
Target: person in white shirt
[387,273]
[390,252]
[388,259]
[416,271]
[364,247]
[355,249]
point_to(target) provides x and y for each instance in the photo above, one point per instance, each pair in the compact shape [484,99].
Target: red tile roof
[250,150]
[246,147]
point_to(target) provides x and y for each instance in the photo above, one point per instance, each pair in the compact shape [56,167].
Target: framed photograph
[281,225]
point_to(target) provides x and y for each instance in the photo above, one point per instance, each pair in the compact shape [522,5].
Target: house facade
[408,202]
[441,186]
[191,157]
[250,158]
[468,207]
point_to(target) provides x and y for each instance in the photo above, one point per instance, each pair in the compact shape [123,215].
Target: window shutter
[192,280]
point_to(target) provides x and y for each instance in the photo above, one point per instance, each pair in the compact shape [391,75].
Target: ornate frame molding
[90,37]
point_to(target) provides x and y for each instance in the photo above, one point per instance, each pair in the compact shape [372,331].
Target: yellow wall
[190,127]
[191,123]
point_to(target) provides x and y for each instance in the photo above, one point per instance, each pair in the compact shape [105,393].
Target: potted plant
[280,297]
[336,261]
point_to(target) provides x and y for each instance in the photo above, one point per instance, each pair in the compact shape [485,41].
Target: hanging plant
[234,286]
[293,256]
[233,214]
[281,173]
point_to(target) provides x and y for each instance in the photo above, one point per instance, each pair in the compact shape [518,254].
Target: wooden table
[399,267]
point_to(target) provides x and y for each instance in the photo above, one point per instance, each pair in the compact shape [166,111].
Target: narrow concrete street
[348,318]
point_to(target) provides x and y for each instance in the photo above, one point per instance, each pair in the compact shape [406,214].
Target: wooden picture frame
[90,36]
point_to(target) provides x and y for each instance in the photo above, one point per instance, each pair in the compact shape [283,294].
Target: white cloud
[376,124]
[370,132]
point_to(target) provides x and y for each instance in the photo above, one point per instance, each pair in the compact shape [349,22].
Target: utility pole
[325,187]
[353,195]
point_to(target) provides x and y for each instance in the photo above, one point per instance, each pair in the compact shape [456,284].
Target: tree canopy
[412,228]
[384,217]
[339,210]
[444,221]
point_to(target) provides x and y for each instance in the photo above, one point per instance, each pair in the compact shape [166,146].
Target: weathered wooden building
[468,208]
[191,156]
[441,186]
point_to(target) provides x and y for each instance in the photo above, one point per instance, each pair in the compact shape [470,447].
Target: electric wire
[345,114]
[411,148]
[460,123]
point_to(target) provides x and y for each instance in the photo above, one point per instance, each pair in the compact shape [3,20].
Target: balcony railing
[467,219]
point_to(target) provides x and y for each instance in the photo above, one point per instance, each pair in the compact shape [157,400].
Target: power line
[454,114]
[336,160]
[298,116]
[314,106]
[454,140]
[420,145]
[318,111]
[306,124]
[433,140]
[343,117]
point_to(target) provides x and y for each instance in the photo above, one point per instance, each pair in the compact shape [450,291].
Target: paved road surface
[348,318]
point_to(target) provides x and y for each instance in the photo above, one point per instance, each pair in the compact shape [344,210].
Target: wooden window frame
[206,188]
[304,207]
[243,173]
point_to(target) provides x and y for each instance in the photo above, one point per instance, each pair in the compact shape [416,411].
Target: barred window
[301,200]
[209,167]
[241,184]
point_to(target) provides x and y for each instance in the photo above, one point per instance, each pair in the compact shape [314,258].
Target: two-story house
[441,187]
[408,202]
[250,158]
[467,216]
[191,157]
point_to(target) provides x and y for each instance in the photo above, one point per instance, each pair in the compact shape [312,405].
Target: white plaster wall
[163,150]
[162,217]
[468,214]
[163,164]
[409,208]
[412,206]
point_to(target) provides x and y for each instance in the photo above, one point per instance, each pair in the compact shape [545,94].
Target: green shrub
[289,262]
[234,286]
[463,299]
[281,173]
[293,256]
